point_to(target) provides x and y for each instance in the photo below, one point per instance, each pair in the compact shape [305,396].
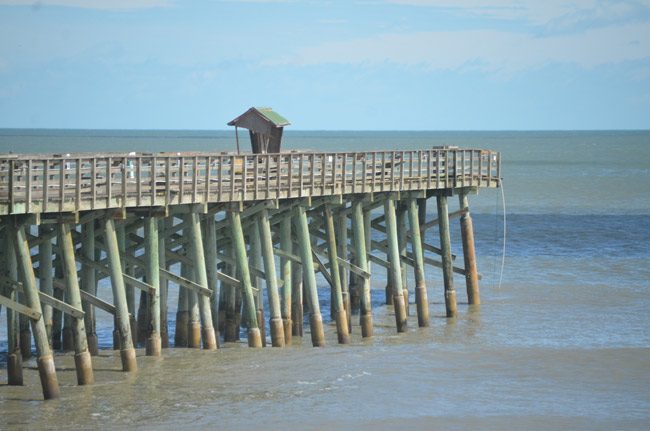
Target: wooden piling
[129,290]
[361,259]
[309,276]
[182,313]
[14,357]
[447,263]
[164,283]
[286,244]
[297,307]
[57,315]
[122,318]
[45,276]
[395,271]
[254,336]
[201,277]
[210,248]
[400,211]
[421,299]
[153,343]
[88,284]
[255,259]
[469,254]
[266,242]
[340,315]
[46,369]
[83,363]
[342,244]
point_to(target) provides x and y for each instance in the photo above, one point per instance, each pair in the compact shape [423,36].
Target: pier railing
[38,183]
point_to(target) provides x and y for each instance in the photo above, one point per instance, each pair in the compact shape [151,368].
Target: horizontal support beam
[46,299]
[88,297]
[353,268]
[61,306]
[189,284]
[19,308]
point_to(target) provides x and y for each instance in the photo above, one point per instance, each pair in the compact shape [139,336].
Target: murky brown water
[447,376]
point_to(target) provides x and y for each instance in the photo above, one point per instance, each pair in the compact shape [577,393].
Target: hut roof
[267,114]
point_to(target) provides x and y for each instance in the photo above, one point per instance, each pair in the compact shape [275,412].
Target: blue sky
[326,65]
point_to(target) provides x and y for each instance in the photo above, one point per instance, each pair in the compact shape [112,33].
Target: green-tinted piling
[122,320]
[14,357]
[120,232]
[210,248]
[266,240]
[255,259]
[182,314]
[342,244]
[469,253]
[45,276]
[361,259]
[400,211]
[254,336]
[339,312]
[445,246]
[297,308]
[83,363]
[46,369]
[89,284]
[395,271]
[286,244]
[193,312]
[164,283]
[57,315]
[153,343]
[201,277]
[309,278]
[421,299]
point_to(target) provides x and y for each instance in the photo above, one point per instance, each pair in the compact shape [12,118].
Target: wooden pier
[231,221]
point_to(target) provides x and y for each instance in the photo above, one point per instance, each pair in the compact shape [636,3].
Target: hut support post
[445,246]
[309,277]
[395,265]
[421,300]
[469,253]
[46,370]
[254,336]
[275,321]
[153,343]
[337,303]
[201,277]
[122,318]
[365,309]
[285,264]
[82,359]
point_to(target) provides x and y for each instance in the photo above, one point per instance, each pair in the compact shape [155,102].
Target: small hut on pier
[265,128]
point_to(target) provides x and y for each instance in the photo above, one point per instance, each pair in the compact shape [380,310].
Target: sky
[326,65]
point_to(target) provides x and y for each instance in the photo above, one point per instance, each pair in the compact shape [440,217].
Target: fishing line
[503,251]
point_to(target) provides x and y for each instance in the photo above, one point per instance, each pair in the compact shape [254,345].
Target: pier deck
[81,182]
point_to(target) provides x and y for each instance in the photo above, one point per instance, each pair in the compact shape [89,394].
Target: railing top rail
[168,154]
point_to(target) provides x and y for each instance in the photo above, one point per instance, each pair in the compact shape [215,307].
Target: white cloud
[90,4]
[488,50]
[538,12]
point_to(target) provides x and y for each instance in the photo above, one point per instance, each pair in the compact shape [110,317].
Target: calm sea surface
[563,343]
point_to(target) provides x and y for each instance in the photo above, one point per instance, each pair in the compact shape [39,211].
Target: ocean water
[563,342]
